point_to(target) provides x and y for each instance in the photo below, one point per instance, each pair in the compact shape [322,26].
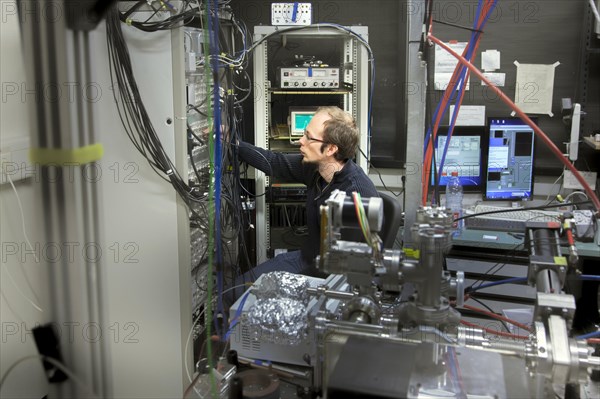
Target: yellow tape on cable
[66,157]
[560,260]
[412,253]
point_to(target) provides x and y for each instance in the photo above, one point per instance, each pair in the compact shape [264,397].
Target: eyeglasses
[310,139]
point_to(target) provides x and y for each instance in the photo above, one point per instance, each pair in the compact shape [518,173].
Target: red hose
[429,152]
[527,120]
[497,317]
[447,95]
[490,331]
[570,239]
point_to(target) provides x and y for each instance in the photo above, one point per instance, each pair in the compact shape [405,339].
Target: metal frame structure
[356,102]
[416,77]
[359,331]
[58,54]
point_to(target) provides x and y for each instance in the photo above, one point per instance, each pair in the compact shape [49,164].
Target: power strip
[570,182]
[584,225]
[291,14]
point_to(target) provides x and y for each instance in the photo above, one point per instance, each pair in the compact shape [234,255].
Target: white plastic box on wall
[14,159]
[570,182]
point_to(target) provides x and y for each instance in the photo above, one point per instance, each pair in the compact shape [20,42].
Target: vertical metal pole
[261,134]
[183,221]
[59,71]
[416,80]
[363,97]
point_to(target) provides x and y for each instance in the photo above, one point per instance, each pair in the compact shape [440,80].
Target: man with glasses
[324,164]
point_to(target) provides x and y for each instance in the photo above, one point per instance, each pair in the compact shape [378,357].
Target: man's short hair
[340,130]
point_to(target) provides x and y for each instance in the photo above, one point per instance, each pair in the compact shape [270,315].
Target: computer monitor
[510,156]
[464,155]
[300,118]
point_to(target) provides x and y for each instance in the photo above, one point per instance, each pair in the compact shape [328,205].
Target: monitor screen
[509,173]
[463,155]
[300,118]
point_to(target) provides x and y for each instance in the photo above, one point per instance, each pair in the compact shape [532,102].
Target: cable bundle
[133,114]
[454,91]
[372,239]
[184,16]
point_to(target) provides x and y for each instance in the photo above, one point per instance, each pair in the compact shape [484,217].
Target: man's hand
[224,133]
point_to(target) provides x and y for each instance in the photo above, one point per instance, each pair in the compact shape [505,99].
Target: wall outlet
[571,182]
[291,14]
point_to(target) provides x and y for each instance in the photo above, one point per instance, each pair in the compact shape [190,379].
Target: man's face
[312,141]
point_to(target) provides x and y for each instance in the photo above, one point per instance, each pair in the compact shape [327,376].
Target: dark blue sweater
[290,167]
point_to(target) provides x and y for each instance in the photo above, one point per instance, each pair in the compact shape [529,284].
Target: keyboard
[514,220]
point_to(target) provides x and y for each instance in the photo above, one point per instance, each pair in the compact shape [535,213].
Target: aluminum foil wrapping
[278,321]
[283,285]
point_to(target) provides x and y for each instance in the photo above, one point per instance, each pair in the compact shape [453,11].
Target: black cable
[436,192]
[232,184]
[428,105]
[403,178]
[457,26]
[379,174]
[427,25]
[248,91]
[533,208]
[427,14]
[270,173]
[139,128]
[195,107]
[196,172]
[490,310]
[153,14]
[134,116]
[134,8]
[173,21]
[500,263]
[194,135]
[244,213]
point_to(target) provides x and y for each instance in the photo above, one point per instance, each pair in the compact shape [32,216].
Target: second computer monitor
[510,156]
[463,155]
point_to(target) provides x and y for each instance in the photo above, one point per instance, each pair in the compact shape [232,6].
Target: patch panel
[291,14]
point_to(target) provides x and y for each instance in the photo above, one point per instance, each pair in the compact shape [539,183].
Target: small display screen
[301,121]
[300,118]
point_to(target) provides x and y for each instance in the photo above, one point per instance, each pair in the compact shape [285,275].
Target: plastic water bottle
[454,201]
